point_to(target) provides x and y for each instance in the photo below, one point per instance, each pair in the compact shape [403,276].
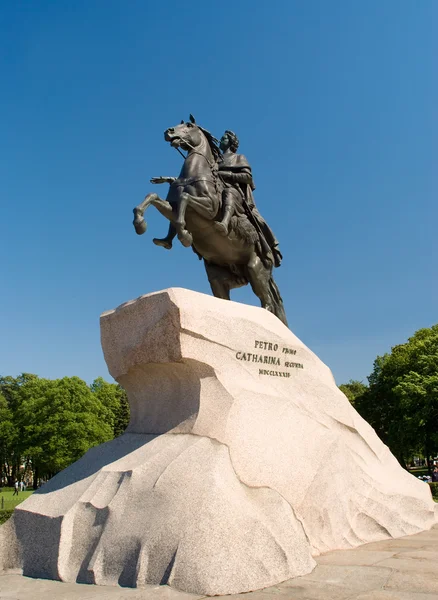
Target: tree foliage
[8,438]
[401,402]
[114,398]
[45,425]
[353,389]
[10,428]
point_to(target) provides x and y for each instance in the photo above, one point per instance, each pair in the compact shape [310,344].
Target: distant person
[16,486]
[21,486]
[435,474]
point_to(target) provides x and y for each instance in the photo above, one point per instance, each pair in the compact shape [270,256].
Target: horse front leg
[163,207]
[206,206]
[139,223]
[184,236]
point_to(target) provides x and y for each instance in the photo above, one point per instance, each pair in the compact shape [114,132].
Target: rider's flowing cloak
[237,163]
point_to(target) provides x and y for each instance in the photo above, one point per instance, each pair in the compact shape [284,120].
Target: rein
[192,180]
[181,182]
[211,165]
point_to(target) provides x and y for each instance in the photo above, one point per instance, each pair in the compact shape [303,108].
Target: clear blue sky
[336,107]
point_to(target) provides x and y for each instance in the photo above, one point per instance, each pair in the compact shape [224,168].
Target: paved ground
[402,569]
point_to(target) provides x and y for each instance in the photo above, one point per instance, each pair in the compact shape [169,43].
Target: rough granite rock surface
[242,461]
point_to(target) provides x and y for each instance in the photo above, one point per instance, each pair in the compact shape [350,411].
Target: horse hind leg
[264,287]
[222,280]
[258,276]
[218,280]
[277,301]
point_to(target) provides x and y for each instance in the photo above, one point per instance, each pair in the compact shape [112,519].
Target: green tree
[8,439]
[11,389]
[114,398]
[123,413]
[60,420]
[353,390]
[401,402]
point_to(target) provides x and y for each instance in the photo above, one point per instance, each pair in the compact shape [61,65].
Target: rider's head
[229,140]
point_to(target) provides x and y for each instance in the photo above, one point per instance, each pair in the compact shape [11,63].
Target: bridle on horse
[211,165]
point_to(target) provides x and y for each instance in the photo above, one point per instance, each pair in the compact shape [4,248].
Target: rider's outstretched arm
[163,179]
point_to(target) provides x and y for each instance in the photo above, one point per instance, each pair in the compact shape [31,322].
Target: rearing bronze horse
[193,205]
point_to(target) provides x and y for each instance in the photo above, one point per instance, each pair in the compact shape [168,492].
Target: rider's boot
[167,241]
[223,226]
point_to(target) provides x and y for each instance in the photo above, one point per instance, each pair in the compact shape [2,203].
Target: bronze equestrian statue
[211,208]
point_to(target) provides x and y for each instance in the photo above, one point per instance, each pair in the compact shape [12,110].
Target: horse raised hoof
[163,243]
[139,223]
[186,239]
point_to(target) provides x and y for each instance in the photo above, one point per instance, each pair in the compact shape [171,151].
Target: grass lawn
[8,501]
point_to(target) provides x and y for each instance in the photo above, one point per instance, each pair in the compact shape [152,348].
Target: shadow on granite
[400,569]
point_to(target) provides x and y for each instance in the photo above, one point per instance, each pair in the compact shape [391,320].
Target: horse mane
[212,142]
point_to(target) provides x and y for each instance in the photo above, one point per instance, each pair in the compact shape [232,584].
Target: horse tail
[277,301]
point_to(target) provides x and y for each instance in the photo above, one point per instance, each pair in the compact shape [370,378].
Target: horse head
[185,135]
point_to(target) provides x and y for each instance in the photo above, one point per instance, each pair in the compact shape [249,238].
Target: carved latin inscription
[277,359]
